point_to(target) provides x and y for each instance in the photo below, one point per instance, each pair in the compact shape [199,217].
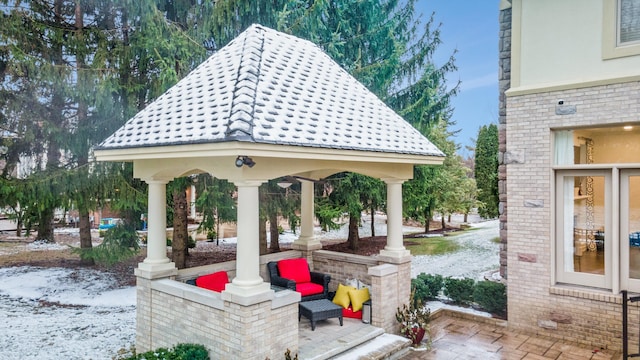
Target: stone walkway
[465,338]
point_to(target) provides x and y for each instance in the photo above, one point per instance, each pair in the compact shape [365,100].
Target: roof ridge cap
[240,124]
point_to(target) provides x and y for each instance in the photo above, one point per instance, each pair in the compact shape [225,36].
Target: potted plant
[414,320]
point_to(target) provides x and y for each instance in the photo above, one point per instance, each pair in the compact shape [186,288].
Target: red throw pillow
[215,281]
[295,269]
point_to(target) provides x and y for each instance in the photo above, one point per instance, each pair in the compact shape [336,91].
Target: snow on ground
[57,313]
[478,255]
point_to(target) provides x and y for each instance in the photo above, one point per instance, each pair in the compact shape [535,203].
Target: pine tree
[486,170]
[382,44]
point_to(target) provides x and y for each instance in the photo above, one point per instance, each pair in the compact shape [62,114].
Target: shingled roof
[271,88]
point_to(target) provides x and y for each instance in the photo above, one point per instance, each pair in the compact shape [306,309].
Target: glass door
[630,229]
[582,219]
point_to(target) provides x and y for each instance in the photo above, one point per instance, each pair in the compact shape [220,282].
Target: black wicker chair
[316,278]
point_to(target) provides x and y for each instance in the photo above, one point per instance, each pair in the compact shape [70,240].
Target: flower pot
[416,335]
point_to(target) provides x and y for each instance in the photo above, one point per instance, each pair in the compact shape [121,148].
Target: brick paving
[456,338]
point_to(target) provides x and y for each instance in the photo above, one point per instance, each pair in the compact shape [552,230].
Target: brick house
[570,166]
[265,106]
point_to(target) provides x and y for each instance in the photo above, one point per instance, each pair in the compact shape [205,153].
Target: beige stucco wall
[556,43]
[536,302]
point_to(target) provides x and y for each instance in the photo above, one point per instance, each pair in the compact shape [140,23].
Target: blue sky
[471,27]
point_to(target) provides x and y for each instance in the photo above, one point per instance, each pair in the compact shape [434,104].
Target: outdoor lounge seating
[294,274]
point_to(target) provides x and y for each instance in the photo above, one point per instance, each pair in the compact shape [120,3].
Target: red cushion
[215,281]
[309,288]
[295,269]
[349,313]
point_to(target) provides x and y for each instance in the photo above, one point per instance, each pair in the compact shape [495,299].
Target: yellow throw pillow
[358,297]
[342,295]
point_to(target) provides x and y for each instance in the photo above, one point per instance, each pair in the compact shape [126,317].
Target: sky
[471,27]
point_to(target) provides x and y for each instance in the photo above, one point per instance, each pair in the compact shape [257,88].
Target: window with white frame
[620,28]
[628,24]
[597,211]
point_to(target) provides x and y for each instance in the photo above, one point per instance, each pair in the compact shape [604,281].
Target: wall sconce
[244,160]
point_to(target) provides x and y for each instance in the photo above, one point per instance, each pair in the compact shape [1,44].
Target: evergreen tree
[383,45]
[216,204]
[486,170]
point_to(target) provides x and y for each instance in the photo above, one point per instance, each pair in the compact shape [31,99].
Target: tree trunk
[19,224]
[442,217]
[55,124]
[353,233]
[427,221]
[466,217]
[45,226]
[273,232]
[179,244]
[373,222]
[83,213]
[262,230]
[85,235]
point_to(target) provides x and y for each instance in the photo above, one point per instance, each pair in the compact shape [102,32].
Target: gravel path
[479,255]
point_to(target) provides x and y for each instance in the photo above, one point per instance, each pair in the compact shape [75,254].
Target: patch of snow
[40,245]
[478,254]
[56,313]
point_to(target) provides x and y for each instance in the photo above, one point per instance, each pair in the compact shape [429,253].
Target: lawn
[431,245]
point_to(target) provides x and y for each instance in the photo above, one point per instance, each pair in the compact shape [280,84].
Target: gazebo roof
[266,87]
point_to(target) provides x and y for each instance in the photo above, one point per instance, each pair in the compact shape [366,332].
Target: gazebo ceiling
[273,97]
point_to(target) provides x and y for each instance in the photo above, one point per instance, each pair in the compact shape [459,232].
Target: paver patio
[465,338]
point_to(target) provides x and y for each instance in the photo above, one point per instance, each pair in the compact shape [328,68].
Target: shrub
[433,284]
[491,296]
[460,291]
[419,290]
[179,352]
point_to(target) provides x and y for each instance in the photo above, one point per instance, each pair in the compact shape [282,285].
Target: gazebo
[266,105]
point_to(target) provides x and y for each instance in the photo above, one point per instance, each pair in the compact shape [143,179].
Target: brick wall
[390,282]
[187,314]
[590,317]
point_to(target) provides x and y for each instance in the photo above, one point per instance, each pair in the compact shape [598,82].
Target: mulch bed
[123,272]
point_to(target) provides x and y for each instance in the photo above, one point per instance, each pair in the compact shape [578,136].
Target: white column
[157,261]
[306,240]
[248,281]
[395,247]
[193,202]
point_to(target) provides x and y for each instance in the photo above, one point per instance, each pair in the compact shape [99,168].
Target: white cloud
[479,82]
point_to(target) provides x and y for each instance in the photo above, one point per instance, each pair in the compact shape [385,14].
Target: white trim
[266,150]
[573,277]
[611,47]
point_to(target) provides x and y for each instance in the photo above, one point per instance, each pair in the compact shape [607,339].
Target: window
[597,222]
[621,28]
[628,21]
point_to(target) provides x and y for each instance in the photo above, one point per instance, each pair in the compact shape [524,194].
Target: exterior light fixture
[244,160]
